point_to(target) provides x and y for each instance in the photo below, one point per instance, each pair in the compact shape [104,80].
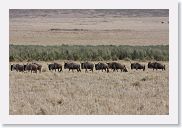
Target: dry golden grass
[65,93]
[96,31]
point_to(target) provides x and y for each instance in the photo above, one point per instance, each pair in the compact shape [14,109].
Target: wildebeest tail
[49,66]
[24,66]
[144,68]
[131,65]
[79,68]
[11,67]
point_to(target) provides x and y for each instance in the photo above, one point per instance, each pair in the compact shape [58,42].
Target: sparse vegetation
[91,53]
[136,84]
[121,27]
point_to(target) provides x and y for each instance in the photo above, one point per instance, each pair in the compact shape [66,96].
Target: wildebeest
[72,66]
[17,67]
[137,66]
[151,65]
[39,67]
[116,66]
[156,65]
[55,66]
[87,65]
[31,67]
[13,67]
[51,67]
[101,66]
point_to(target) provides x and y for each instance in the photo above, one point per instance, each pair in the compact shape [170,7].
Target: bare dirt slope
[97,93]
[89,27]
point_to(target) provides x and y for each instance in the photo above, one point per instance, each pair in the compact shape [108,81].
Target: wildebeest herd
[33,67]
[115,66]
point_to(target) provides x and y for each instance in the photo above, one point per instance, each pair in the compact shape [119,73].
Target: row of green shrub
[90,53]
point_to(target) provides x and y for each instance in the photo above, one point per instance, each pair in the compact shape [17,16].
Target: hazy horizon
[88,13]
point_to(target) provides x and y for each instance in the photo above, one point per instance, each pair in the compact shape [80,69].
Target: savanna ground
[97,93]
[89,27]
[67,93]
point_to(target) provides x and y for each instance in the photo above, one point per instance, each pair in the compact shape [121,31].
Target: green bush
[90,53]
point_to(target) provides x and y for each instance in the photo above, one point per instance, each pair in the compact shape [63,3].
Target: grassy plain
[97,93]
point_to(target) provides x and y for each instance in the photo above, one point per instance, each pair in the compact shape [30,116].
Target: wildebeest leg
[107,70]
[114,68]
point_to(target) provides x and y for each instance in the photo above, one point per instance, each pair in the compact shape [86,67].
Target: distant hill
[87,13]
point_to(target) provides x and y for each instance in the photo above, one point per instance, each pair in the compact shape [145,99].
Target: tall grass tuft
[87,52]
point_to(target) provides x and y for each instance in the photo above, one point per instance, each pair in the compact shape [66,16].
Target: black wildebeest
[87,65]
[39,67]
[72,66]
[31,67]
[101,66]
[116,66]
[55,66]
[17,67]
[13,67]
[137,66]
[156,65]
[51,67]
